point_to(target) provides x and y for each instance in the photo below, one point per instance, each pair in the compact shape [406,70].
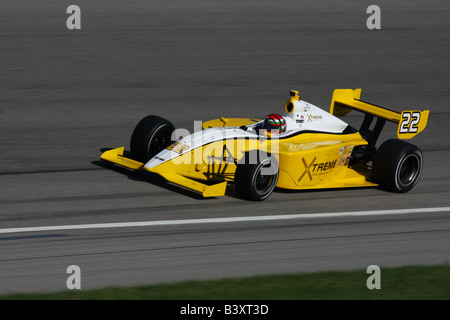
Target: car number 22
[409,122]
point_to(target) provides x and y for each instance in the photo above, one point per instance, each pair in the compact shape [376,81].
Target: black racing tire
[397,165]
[151,135]
[249,182]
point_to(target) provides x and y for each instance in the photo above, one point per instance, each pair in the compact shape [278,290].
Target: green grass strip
[404,283]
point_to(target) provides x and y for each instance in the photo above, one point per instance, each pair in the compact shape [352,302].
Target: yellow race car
[303,148]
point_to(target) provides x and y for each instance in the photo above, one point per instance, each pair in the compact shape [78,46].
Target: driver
[274,123]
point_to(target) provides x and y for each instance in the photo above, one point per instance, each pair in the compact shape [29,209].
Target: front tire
[256,181]
[397,165]
[150,136]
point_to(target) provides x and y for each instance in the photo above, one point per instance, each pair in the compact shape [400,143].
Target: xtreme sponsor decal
[312,169]
[320,169]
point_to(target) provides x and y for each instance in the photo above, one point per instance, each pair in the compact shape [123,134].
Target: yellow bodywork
[116,156]
[307,160]
[229,122]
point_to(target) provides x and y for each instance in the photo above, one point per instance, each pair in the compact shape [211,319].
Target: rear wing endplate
[410,122]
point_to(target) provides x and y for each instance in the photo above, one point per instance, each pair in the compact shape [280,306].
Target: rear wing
[410,122]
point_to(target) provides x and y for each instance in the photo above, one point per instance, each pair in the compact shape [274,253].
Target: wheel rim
[263,183]
[409,170]
[160,140]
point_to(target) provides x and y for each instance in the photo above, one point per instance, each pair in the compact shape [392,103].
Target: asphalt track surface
[67,95]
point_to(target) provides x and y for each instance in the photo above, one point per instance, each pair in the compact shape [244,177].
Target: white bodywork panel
[198,139]
[305,116]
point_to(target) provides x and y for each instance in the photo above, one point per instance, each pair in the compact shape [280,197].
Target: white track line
[222,220]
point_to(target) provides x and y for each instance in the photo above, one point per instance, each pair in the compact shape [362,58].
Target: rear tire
[397,165]
[150,136]
[250,182]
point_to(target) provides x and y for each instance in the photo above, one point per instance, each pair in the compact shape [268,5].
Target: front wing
[214,189]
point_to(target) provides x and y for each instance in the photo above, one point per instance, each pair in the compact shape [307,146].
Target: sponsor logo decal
[312,117]
[178,147]
[313,169]
[307,169]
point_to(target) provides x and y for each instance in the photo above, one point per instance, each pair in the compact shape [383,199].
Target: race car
[303,148]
